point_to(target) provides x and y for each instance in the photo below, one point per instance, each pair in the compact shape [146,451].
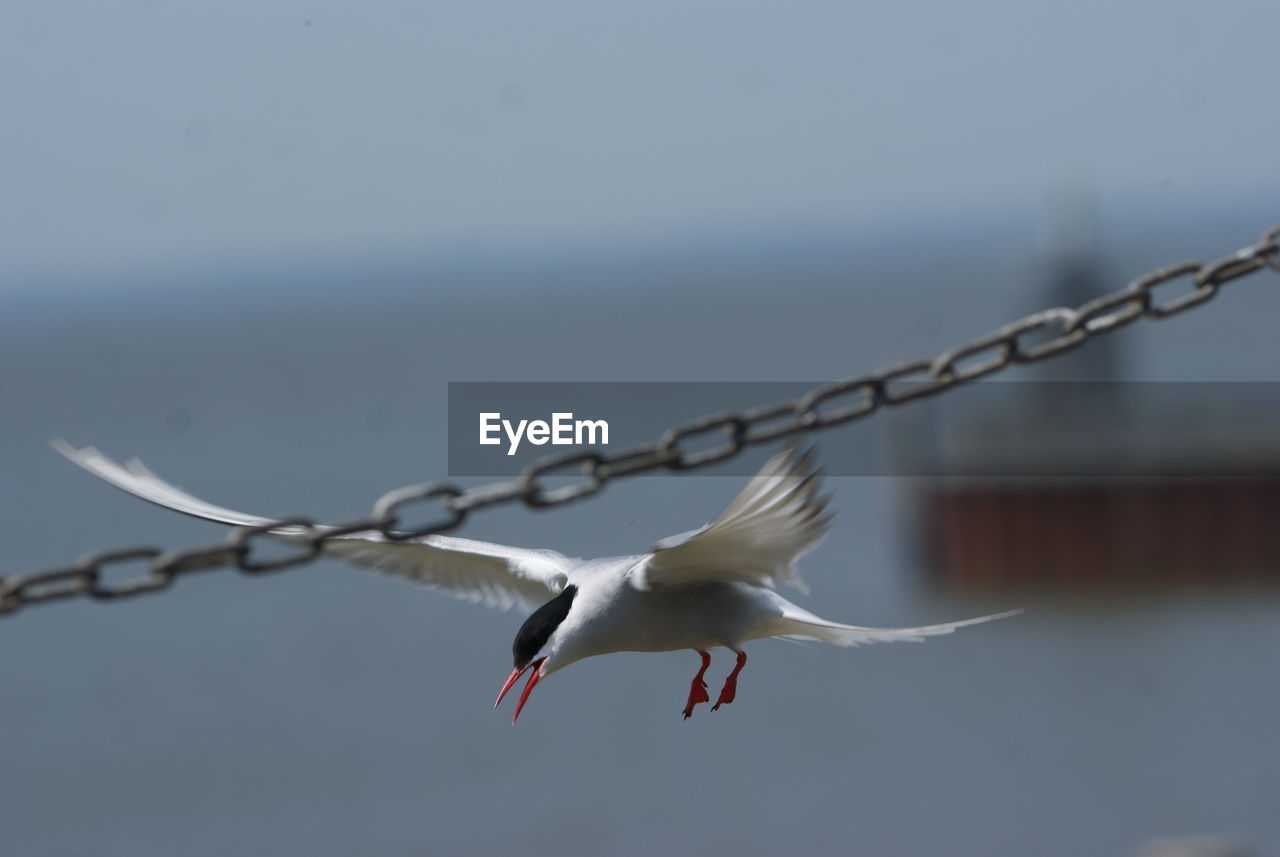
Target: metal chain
[1035,337]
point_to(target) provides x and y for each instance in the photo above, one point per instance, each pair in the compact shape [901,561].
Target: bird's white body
[700,590]
[610,615]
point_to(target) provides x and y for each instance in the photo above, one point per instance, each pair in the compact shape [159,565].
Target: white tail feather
[805,625]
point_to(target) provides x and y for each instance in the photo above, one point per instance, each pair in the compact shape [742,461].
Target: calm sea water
[325,711]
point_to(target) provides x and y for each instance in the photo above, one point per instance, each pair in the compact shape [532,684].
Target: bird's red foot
[730,689]
[698,689]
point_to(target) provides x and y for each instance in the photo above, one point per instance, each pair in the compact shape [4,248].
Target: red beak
[511,680]
[528,688]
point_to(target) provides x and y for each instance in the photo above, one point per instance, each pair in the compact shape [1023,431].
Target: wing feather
[777,518]
[495,575]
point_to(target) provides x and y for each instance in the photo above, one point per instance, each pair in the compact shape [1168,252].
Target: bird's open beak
[511,680]
[528,688]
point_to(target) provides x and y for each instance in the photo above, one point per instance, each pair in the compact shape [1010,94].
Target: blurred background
[252,242]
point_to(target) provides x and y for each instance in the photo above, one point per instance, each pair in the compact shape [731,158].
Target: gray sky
[147,132]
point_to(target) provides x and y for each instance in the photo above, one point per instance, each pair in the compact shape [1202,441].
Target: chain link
[826,406]
[537,496]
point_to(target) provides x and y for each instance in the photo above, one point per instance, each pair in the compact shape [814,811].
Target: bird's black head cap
[540,625]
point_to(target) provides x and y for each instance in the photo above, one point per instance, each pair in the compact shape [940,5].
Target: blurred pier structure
[1080,479]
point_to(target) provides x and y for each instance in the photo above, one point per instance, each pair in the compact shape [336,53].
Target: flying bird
[707,588]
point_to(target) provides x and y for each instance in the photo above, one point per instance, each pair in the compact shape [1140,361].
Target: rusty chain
[1034,337]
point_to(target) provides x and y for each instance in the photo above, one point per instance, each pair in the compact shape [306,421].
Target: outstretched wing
[495,575]
[776,519]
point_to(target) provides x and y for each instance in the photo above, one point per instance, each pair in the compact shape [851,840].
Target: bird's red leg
[730,689]
[698,690]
